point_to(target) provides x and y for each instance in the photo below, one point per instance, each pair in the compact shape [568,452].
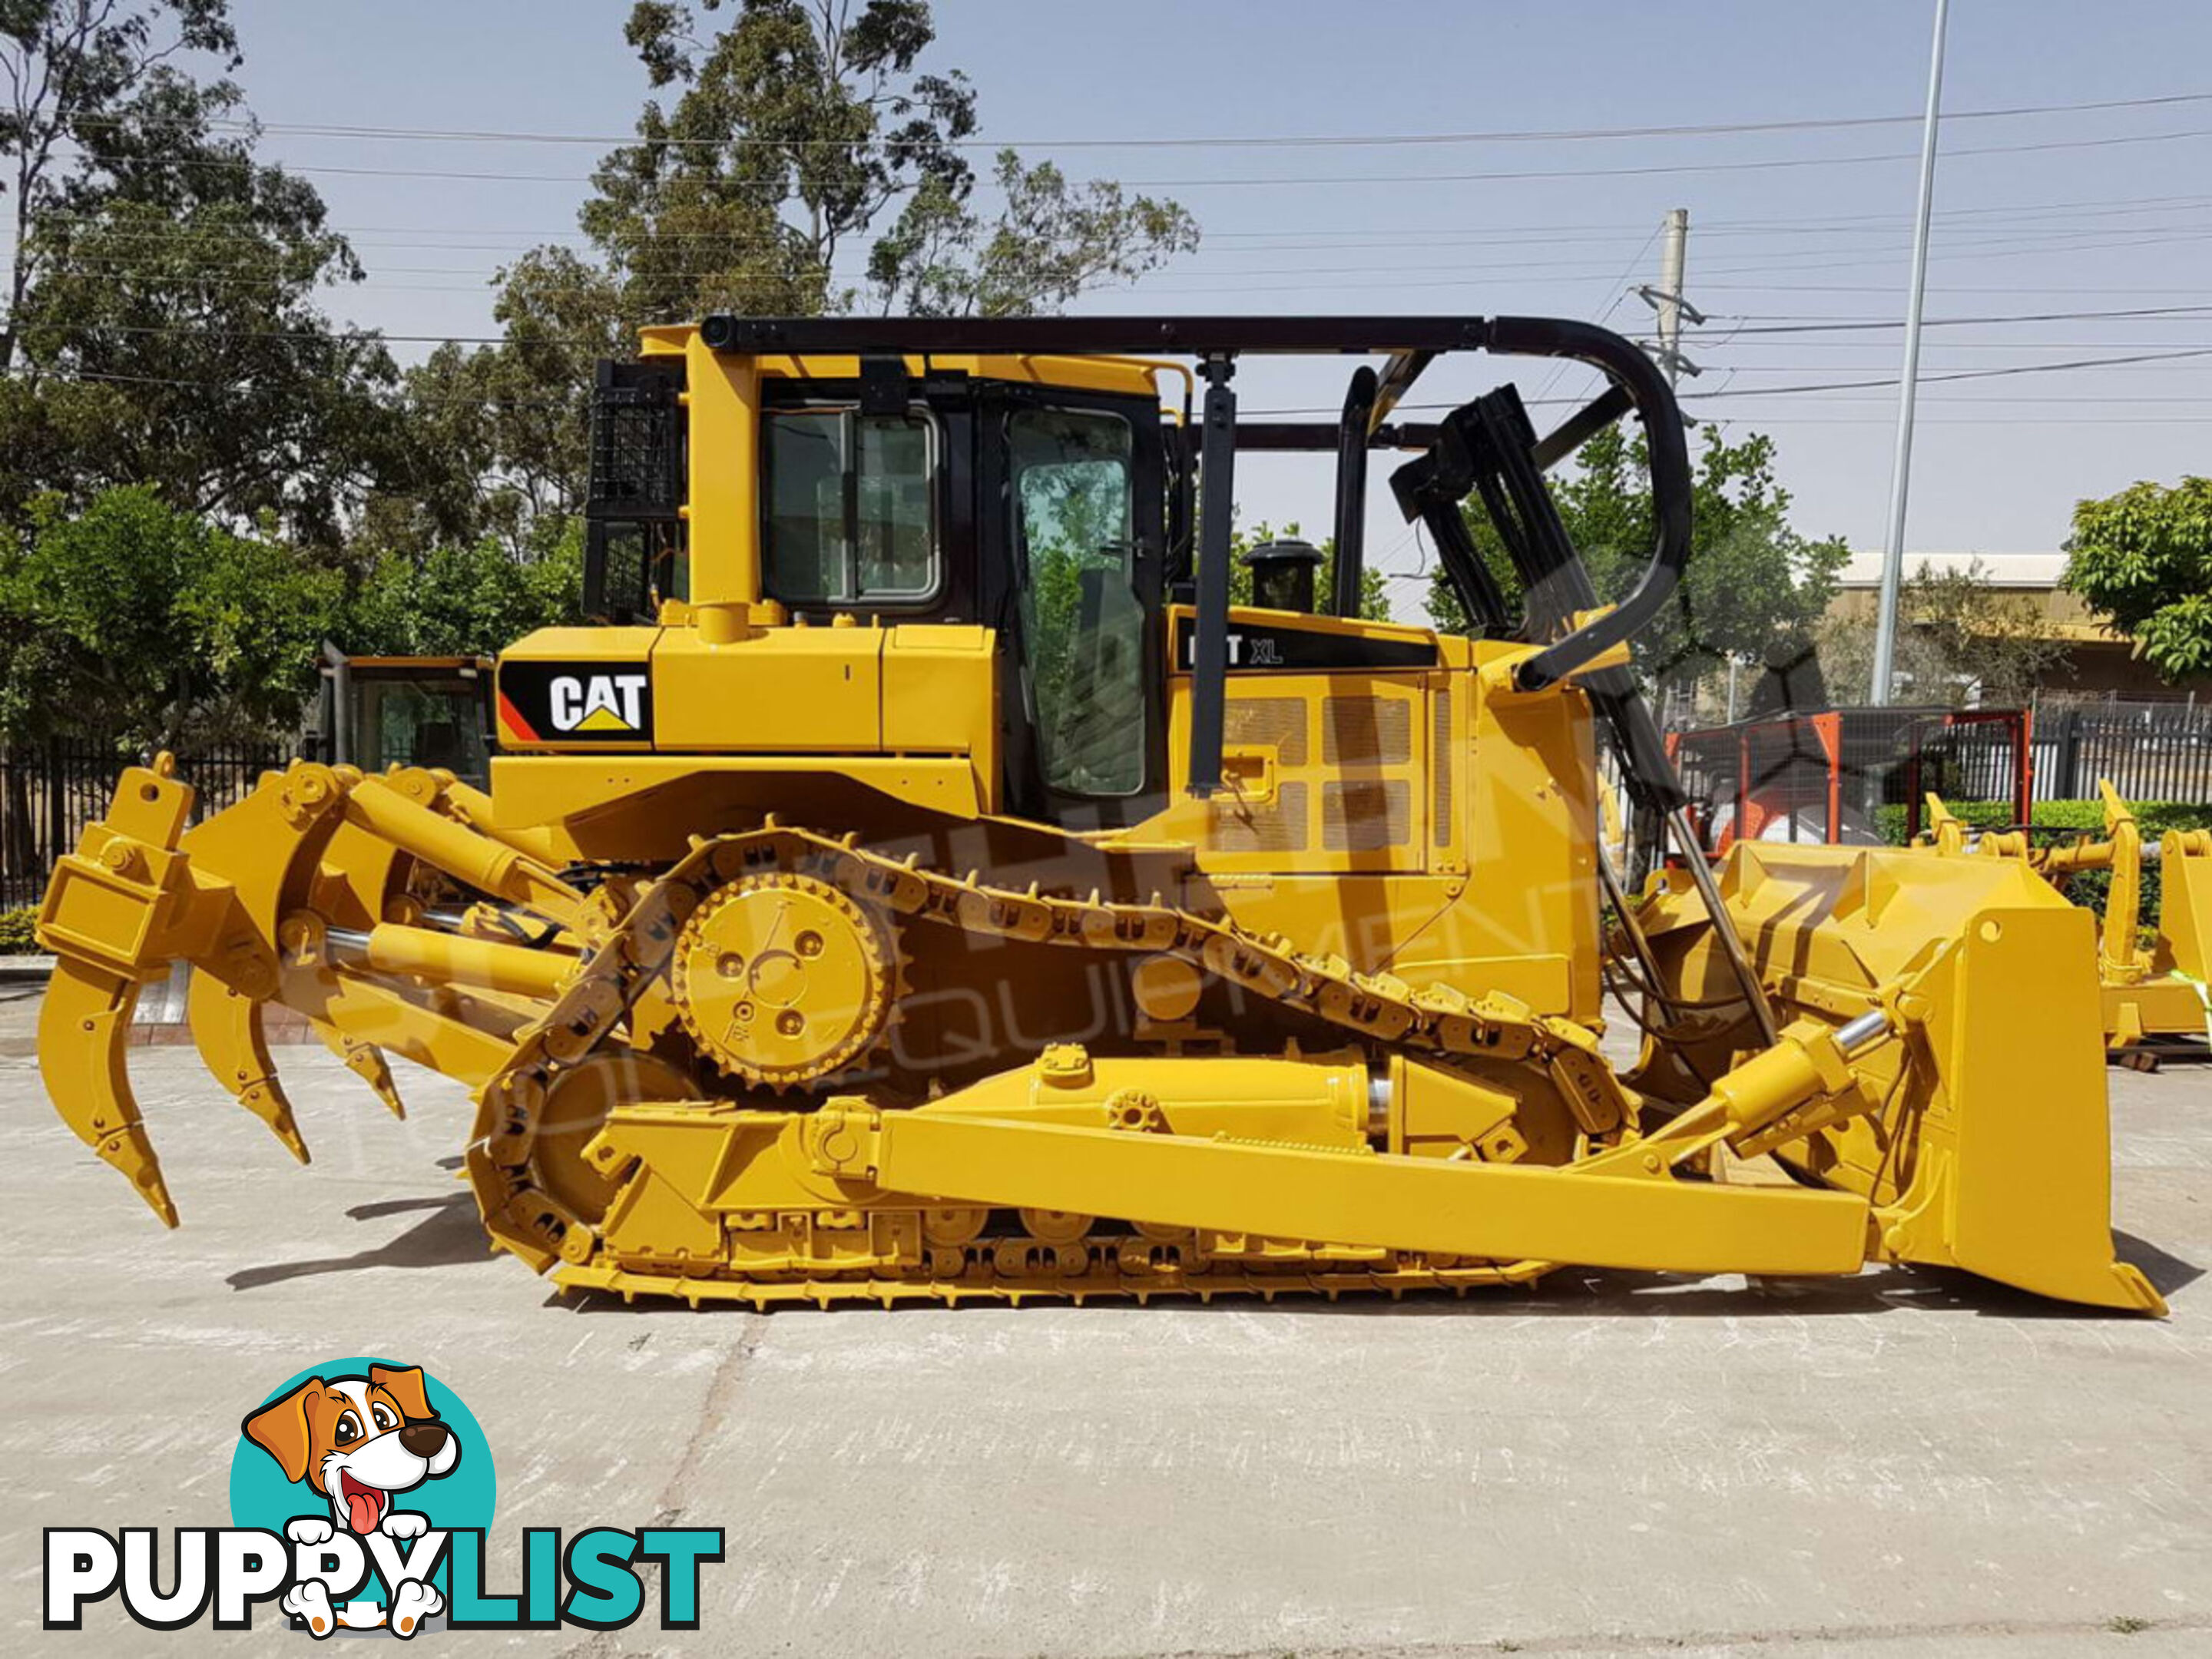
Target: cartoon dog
[355,1441]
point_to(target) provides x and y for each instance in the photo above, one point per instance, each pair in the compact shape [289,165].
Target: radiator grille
[1276,722]
[1440,767]
[1365,816]
[1367,730]
[1280,828]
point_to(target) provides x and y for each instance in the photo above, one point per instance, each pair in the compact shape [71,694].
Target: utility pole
[1674,271]
[1666,298]
[1667,301]
[1648,836]
[1674,259]
[1892,550]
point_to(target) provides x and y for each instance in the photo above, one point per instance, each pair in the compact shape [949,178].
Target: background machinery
[924,884]
[2157,1000]
[376,713]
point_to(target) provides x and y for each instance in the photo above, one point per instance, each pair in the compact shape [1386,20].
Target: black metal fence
[50,791]
[2149,750]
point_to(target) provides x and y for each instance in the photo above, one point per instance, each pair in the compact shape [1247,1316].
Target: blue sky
[2080,224]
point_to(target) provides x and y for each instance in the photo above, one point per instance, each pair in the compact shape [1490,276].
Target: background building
[2096,661]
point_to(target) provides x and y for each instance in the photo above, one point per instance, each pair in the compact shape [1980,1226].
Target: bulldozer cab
[1036,510]
[1031,480]
[994,496]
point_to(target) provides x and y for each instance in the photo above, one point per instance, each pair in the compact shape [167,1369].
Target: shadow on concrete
[1577,1293]
[449,1235]
[1587,1293]
[2168,1272]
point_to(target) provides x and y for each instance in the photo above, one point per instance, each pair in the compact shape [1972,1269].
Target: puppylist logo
[361,1492]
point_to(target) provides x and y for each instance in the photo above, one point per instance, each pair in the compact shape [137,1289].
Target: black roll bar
[1636,376]
[1216,505]
[1352,431]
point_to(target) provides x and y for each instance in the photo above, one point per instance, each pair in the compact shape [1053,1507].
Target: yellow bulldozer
[923,883]
[2156,996]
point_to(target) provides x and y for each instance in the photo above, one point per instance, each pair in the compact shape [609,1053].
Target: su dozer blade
[923,883]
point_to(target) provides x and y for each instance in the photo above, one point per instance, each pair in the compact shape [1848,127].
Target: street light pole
[1892,551]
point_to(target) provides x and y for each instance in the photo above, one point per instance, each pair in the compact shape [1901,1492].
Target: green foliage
[162,320]
[793,131]
[80,75]
[2144,558]
[2153,817]
[834,118]
[137,621]
[1754,587]
[1959,641]
[1047,242]
[202,476]
[472,598]
[16,937]
[511,421]
[784,132]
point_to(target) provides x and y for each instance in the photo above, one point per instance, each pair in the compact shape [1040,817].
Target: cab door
[1073,512]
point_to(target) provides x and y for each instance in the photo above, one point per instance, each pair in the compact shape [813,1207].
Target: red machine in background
[1824,777]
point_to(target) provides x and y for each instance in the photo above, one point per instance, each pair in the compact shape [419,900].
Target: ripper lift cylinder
[456,849]
[456,959]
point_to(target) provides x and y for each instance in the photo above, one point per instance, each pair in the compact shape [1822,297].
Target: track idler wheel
[577,1105]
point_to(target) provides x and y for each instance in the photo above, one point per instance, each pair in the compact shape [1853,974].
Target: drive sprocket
[781,979]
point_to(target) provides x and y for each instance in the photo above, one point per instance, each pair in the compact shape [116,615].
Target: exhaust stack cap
[1283,572]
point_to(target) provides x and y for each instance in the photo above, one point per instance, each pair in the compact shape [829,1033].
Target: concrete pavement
[1906,1463]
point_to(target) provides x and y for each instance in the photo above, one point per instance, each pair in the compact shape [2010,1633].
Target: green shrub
[2153,817]
[15,940]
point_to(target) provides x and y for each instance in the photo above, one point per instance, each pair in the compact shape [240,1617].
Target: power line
[400,394]
[1963,374]
[778,187]
[1270,141]
[1831,385]
[1951,345]
[1973,420]
[1426,235]
[1668,168]
[410,395]
[2049,241]
[1620,293]
[1838,325]
[2170,313]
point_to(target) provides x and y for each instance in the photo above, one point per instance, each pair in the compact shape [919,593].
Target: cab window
[851,507]
[1083,621]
